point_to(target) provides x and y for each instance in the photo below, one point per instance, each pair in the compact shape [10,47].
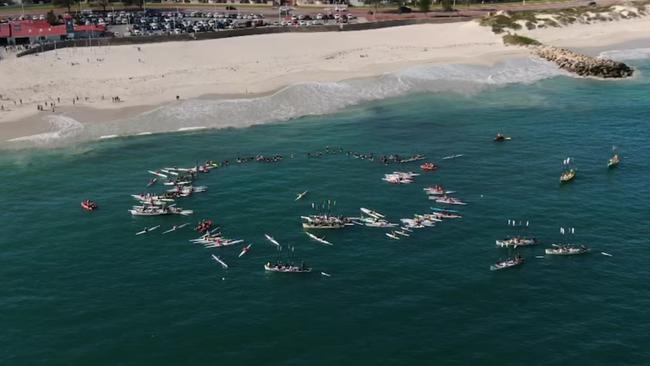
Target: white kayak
[392,236]
[220,261]
[244,250]
[372,213]
[174,228]
[326,274]
[452,156]
[320,240]
[157,174]
[301,195]
[221,244]
[270,238]
[146,230]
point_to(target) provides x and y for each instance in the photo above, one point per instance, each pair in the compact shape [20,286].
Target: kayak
[301,195]
[223,264]
[452,156]
[157,174]
[221,244]
[372,213]
[174,228]
[320,240]
[244,250]
[270,238]
[146,230]
[392,236]
[89,205]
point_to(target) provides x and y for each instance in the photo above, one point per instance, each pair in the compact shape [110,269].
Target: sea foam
[303,99]
[64,128]
[630,54]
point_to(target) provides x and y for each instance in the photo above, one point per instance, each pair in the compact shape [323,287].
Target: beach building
[5,32]
[36,31]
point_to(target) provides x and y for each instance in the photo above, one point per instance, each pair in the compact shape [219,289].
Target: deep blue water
[81,289]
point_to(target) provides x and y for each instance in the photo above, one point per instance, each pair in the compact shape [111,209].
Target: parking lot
[155,22]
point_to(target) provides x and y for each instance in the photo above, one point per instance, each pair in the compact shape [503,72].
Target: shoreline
[385,52]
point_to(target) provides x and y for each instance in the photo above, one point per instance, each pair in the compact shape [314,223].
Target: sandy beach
[82,82]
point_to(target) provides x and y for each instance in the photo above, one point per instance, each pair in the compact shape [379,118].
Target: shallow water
[80,288]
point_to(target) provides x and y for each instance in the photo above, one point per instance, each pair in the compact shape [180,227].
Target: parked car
[404,10]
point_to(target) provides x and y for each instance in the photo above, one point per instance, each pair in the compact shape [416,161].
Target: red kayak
[428,167]
[89,205]
[204,226]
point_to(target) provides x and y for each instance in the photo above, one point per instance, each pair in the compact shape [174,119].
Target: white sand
[595,34]
[259,64]
[252,64]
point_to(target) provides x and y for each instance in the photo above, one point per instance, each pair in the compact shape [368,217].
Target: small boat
[158,211]
[320,240]
[564,249]
[220,261]
[89,205]
[568,176]
[175,227]
[449,201]
[301,195]
[152,182]
[614,161]
[508,263]
[401,233]
[428,167]
[244,251]
[500,138]
[273,241]
[516,242]
[326,274]
[392,236]
[446,215]
[436,190]
[325,222]
[286,268]
[147,230]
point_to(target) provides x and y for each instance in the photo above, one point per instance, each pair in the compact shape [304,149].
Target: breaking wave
[301,100]
[630,54]
[65,128]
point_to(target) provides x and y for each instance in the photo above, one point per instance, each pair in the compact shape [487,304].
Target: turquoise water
[81,289]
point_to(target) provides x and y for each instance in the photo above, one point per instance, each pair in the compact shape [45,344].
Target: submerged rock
[584,65]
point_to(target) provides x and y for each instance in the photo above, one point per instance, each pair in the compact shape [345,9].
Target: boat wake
[303,100]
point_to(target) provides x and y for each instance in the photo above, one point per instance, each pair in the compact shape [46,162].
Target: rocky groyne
[584,65]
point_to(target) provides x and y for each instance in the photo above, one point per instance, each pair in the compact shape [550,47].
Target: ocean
[80,288]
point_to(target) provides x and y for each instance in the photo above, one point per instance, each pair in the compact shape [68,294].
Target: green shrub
[517,40]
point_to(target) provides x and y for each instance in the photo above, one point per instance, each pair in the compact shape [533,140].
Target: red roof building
[37,28]
[5,30]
